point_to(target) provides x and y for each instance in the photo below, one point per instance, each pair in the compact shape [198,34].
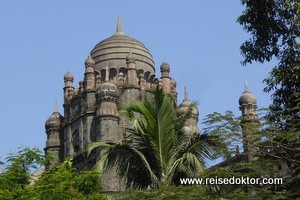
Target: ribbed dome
[69,77]
[165,67]
[114,50]
[54,121]
[107,89]
[247,97]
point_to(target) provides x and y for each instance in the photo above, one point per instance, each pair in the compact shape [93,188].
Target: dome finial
[186,97]
[119,26]
[246,87]
[55,106]
[106,74]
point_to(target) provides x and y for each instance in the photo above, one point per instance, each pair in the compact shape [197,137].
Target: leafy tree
[157,151]
[65,183]
[275,30]
[270,153]
[15,178]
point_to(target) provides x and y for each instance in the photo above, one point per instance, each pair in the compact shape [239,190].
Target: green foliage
[269,144]
[275,29]
[65,183]
[62,182]
[167,193]
[17,172]
[156,150]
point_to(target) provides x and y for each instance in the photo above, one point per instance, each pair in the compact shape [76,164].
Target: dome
[89,61]
[54,121]
[69,77]
[107,88]
[184,106]
[114,50]
[165,67]
[247,97]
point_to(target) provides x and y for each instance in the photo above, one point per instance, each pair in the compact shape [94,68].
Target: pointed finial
[246,87]
[89,60]
[106,74]
[119,26]
[186,97]
[55,106]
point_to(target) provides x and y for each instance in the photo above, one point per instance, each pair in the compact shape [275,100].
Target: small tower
[165,77]
[89,76]
[107,119]
[191,127]
[54,143]
[132,79]
[68,89]
[107,124]
[249,122]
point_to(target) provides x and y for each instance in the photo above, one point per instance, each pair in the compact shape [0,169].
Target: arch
[146,75]
[123,70]
[152,77]
[113,75]
[103,73]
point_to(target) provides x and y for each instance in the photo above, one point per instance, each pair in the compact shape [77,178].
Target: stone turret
[54,143]
[248,105]
[191,127]
[132,79]
[249,123]
[68,89]
[89,76]
[165,77]
[106,116]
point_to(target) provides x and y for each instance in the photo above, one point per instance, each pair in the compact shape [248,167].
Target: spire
[186,97]
[106,74]
[55,106]
[246,87]
[119,26]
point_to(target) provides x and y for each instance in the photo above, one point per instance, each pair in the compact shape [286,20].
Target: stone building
[118,70]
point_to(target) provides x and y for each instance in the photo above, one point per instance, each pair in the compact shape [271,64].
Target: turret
[54,143]
[165,77]
[174,90]
[249,123]
[248,105]
[68,89]
[107,117]
[191,126]
[89,76]
[132,79]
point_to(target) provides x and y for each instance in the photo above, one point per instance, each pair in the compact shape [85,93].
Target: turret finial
[55,106]
[119,26]
[106,74]
[186,97]
[246,87]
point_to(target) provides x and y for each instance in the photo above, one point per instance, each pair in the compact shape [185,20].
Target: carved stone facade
[118,70]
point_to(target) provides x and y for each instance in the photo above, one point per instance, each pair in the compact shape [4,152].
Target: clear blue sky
[41,40]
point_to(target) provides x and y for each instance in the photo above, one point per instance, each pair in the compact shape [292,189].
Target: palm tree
[156,151]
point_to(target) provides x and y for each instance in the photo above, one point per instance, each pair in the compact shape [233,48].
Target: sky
[41,40]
